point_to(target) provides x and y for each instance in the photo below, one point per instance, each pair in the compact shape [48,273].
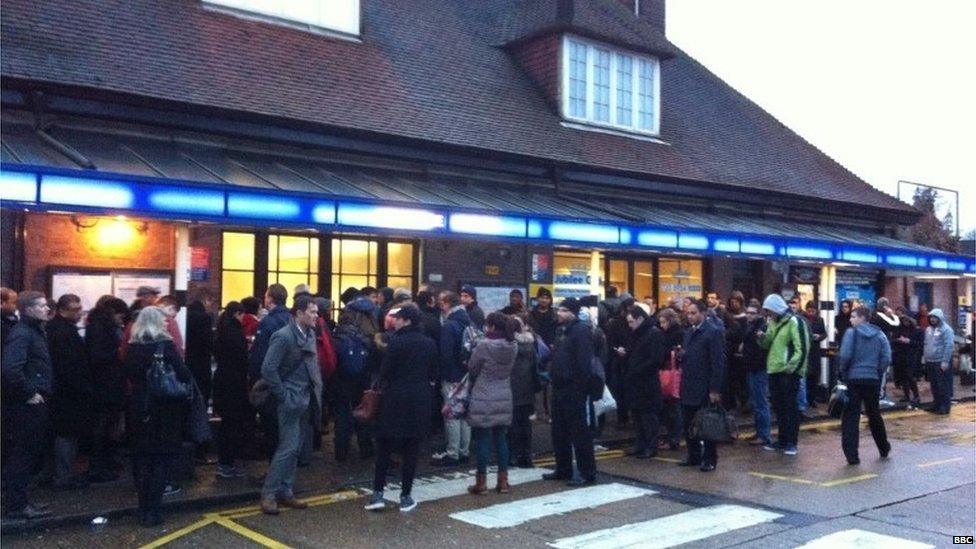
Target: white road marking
[505,515]
[435,489]
[673,530]
[862,538]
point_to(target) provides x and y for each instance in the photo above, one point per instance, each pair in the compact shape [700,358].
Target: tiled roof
[426,70]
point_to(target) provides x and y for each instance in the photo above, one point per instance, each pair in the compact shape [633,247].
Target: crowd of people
[286,371]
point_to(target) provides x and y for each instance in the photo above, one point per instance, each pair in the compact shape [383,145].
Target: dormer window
[339,16]
[607,87]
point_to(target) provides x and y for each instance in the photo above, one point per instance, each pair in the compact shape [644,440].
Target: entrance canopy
[130,171]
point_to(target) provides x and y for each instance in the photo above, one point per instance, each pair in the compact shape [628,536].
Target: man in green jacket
[788,343]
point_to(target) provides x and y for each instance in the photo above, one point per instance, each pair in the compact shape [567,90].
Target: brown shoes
[269,506]
[480,485]
[502,487]
[292,503]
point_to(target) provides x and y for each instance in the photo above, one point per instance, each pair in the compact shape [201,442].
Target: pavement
[767,482]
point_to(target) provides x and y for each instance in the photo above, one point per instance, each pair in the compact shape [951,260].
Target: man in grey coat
[291,370]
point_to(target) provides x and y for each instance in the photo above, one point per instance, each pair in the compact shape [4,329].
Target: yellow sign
[493,270]
[679,278]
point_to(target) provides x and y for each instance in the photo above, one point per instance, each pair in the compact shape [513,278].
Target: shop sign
[541,268]
[493,270]
[679,278]
[199,263]
[804,275]
[857,286]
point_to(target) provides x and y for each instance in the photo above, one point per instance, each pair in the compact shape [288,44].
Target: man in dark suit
[703,368]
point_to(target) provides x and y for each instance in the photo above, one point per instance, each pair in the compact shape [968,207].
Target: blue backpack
[352,354]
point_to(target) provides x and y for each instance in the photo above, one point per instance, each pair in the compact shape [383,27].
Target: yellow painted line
[179,533]
[934,463]
[848,480]
[668,460]
[781,477]
[317,501]
[250,534]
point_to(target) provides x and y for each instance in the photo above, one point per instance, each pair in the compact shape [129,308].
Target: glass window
[643,279]
[645,97]
[337,15]
[290,262]
[399,265]
[577,79]
[354,264]
[619,275]
[625,87]
[572,275]
[679,278]
[237,267]
[601,85]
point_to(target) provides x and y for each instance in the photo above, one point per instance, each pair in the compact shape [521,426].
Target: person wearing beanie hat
[469,298]
[571,370]
[787,342]
[542,317]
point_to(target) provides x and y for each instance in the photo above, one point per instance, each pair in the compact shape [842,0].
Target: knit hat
[572,305]
[469,289]
[776,304]
[408,312]
[543,292]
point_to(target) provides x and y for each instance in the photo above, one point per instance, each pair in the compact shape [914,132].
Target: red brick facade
[539,58]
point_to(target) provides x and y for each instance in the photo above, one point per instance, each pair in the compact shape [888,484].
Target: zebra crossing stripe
[505,515]
[434,489]
[862,538]
[669,531]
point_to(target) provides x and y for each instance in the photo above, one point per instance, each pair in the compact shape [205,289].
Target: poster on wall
[541,268]
[679,278]
[495,298]
[199,263]
[88,286]
[124,285]
[856,286]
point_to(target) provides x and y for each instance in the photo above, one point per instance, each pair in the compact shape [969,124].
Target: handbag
[369,406]
[161,381]
[839,399]
[197,421]
[671,378]
[456,405]
[605,404]
[713,424]
[259,394]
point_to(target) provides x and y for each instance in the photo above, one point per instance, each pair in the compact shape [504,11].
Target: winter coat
[842,323]
[230,378]
[328,361]
[939,340]
[703,367]
[363,314]
[544,324]
[7,323]
[645,355]
[888,324]
[157,427]
[525,371]
[451,345]
[409,365]
[430,320]
[26,367]
[476,315]
[277,318]
[784,341]
[673,337]
[864,354]
[199,338]
[490,367]
[572,359]
[905,355]
[103,340]
[71,403]
[754,357]
[291,369]
[817,328]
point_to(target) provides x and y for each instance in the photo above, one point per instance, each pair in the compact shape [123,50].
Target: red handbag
[671,378]
[369,407]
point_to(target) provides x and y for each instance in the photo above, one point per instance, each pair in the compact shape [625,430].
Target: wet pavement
[923,494]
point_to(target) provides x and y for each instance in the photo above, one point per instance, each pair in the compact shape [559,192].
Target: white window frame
[590,119]
[262,12]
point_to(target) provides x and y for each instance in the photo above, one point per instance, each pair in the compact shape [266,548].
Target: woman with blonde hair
[157,426]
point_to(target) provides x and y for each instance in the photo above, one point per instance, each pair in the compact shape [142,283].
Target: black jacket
[408,367]
[103,339]
[817,327]
[544,324]
[476,315]
[199,337]
[572,359]
[7,323]
[753,355]
[26,368]
[703,368]
[71,403]
[842,323]
[230,378]
[430,318]
[157,427]
[452,366]
[645,354]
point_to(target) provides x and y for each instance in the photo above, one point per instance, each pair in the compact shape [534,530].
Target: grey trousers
[280,480]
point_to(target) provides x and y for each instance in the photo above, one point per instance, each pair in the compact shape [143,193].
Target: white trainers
[375,503]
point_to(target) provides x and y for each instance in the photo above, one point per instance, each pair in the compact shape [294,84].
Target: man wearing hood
[469,298]
[865,354]
[937,355]
[454,321]
[787,343]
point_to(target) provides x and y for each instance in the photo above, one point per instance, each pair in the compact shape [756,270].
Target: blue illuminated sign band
[20,186]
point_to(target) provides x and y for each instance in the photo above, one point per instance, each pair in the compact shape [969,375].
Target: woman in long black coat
[71,403]
[409,366]
[644,356]
[103,338]
[157,427]
[230,389]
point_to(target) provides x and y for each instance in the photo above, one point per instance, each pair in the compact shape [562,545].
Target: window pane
[293,254]
[238,251]
[399,259]
[273,253]
[625,92]
[357,281]
[679,278]
[601,85]
[289,281]
[645,95]
[643,279]
[354,258]
[314,255]
[400,282]
[235,286]
[619,275]
[577,79]
[373,258]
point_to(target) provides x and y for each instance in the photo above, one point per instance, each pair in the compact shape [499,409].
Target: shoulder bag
[671,378]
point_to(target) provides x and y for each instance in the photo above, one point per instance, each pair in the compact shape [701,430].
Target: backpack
[801,326]
[471,337]
[351,352]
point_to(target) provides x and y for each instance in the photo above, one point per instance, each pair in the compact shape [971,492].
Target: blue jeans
[801,395]
[758,383]
[484,438]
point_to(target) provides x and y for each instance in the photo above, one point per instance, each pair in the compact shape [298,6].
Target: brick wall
[53,240]
[463,261]
[539,58]
[208,237]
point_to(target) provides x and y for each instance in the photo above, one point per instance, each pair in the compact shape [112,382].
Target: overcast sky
[885,87]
